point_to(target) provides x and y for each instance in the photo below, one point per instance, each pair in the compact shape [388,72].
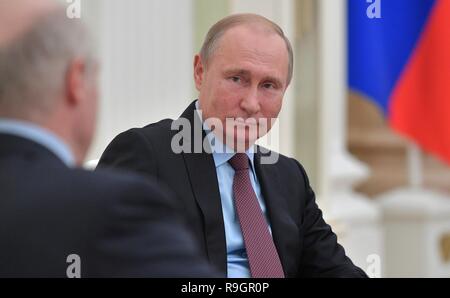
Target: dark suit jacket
[119,225]
[306,244]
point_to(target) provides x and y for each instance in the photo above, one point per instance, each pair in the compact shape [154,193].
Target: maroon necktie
[262,254]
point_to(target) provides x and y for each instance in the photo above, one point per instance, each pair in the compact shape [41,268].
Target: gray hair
[33,67]
[218,30]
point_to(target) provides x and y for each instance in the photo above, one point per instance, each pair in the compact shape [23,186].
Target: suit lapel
[203,179]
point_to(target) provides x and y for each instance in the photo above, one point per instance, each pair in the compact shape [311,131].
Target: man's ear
[76,82]
[199,71]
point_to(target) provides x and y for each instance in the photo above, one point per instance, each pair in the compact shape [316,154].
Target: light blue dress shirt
[38,135]
[237,261]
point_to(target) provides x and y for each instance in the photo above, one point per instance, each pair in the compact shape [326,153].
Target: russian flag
[401,62]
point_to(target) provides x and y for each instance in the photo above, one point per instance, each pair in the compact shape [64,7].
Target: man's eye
[268,86]
[236,79]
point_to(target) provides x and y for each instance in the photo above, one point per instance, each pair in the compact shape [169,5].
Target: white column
[416,226]
[417,233]
[146,51]
[357,218]
[281,12]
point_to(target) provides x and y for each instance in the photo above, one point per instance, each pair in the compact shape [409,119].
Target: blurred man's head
[243,71]
[48,71]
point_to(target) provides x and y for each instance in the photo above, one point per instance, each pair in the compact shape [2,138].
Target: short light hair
[33,67]
[220,28]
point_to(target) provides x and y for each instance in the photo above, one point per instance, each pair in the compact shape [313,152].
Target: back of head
[47,71]
[34,61]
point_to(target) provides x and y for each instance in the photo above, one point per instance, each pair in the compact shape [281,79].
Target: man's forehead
[245,39]
[250,31]
[241,54]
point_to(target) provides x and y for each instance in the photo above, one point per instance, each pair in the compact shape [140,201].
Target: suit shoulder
[150,131]
[154,130]
[133,149]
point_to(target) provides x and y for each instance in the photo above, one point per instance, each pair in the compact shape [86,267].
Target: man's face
[245,78]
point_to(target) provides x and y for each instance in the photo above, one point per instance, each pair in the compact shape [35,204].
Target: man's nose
[250,102]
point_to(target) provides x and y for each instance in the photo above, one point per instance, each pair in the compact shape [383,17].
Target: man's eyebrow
[273,79]
[236,71]
[243,72]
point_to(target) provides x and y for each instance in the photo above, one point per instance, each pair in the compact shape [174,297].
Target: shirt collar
[38,135]
[221,152]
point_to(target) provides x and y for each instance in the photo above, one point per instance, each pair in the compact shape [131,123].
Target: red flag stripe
[420,103]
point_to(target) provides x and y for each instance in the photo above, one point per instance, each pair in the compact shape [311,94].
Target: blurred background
[366,113]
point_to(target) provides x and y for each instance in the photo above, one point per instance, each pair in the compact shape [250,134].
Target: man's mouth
[246,122]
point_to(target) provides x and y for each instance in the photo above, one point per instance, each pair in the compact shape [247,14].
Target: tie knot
[239,162]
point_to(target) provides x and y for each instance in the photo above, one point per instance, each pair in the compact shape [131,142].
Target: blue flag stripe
[379,49]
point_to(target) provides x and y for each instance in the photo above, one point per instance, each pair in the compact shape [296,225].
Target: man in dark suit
[57,220]
[253,212]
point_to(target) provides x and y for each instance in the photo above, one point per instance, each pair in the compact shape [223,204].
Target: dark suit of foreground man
[251,219]
[119,226]
[57,220]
